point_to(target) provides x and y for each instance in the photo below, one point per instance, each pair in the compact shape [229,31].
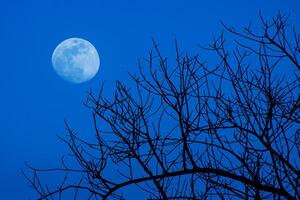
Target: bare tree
[192,130]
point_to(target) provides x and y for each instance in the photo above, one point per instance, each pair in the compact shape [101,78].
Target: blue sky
[35,102]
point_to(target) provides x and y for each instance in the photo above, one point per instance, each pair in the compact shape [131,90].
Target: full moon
[75,60]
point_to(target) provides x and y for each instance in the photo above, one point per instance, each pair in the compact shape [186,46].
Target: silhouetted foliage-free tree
[193,130]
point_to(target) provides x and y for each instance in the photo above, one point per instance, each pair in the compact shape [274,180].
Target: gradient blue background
[34,101]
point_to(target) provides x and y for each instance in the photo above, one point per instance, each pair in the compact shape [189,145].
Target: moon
[76,60]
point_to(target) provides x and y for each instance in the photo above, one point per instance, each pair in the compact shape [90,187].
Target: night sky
[35,101]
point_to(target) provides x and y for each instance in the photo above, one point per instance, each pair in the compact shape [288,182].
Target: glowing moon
[75,60]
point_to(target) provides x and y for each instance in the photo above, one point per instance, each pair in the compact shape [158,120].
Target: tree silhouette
[221,128]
